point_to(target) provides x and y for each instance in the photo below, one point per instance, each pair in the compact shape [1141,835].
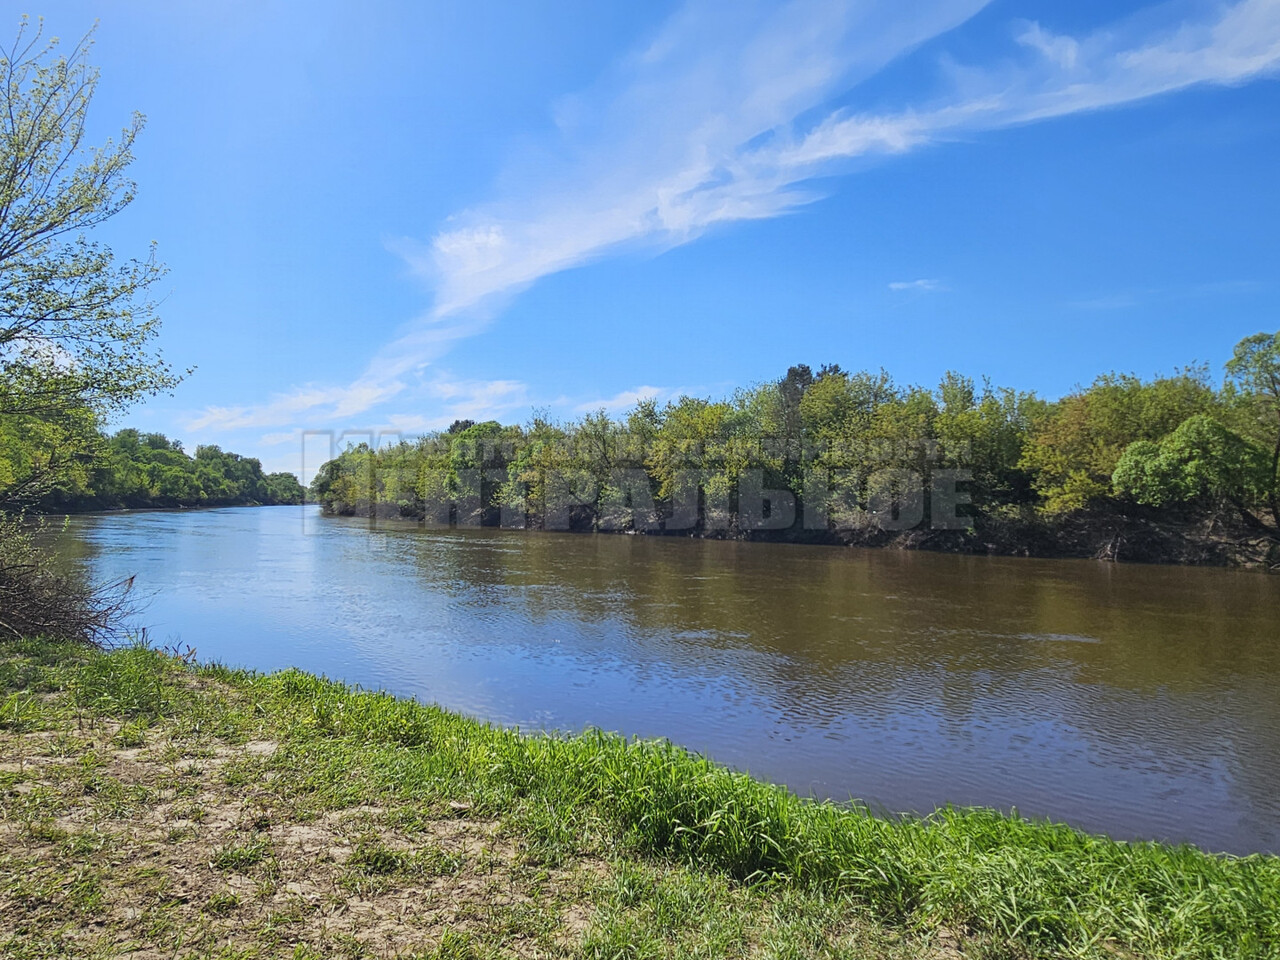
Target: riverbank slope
[156,807]
[1133,535]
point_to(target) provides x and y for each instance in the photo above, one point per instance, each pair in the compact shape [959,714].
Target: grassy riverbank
[156,808]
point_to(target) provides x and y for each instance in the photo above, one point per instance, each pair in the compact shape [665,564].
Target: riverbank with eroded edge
[152,805]
[1135,535]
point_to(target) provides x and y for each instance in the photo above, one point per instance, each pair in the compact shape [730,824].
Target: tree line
[148,470]
[1185,449]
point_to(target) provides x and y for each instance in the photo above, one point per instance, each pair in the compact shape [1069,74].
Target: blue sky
[393,215]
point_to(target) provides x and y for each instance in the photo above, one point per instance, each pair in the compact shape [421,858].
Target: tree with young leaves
[77,325]
[1254,368]
[1074,447]
[1201,463]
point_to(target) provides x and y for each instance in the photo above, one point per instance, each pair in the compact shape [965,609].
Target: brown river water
[1140,701]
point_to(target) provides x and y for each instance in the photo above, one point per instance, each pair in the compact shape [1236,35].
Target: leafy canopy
[77,325]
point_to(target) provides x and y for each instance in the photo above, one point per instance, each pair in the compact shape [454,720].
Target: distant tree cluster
[1175,446]
[141,470]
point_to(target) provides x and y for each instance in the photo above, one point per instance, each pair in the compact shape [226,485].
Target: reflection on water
[1136,700]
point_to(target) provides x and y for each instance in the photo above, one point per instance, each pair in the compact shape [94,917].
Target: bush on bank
[36,597]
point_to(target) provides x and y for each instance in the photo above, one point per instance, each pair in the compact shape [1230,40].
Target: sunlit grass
[681,833]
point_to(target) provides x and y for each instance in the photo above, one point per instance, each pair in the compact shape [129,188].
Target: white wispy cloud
[1114,301]
[720,118]
[1070,76]
[921,285]
[447,399]
[1061,50]
[281,437]
[626,399]
[1125,299]
[330,402]
[666,146]
[394,372]
[712,124]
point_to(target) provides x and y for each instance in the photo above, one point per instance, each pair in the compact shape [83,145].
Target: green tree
[986,433]
[1254,368]
[77,325]
[792,389]
[1200,462]
[1074,449]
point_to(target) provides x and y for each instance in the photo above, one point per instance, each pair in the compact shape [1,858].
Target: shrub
[39,600]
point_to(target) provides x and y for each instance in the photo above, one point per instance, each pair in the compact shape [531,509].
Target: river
[1139,701]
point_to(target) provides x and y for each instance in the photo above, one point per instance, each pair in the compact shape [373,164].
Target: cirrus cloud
[725,116]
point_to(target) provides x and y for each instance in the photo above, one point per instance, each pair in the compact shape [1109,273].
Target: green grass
[240,857]
[613,848]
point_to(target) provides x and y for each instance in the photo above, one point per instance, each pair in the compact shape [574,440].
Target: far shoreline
[1100,536]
